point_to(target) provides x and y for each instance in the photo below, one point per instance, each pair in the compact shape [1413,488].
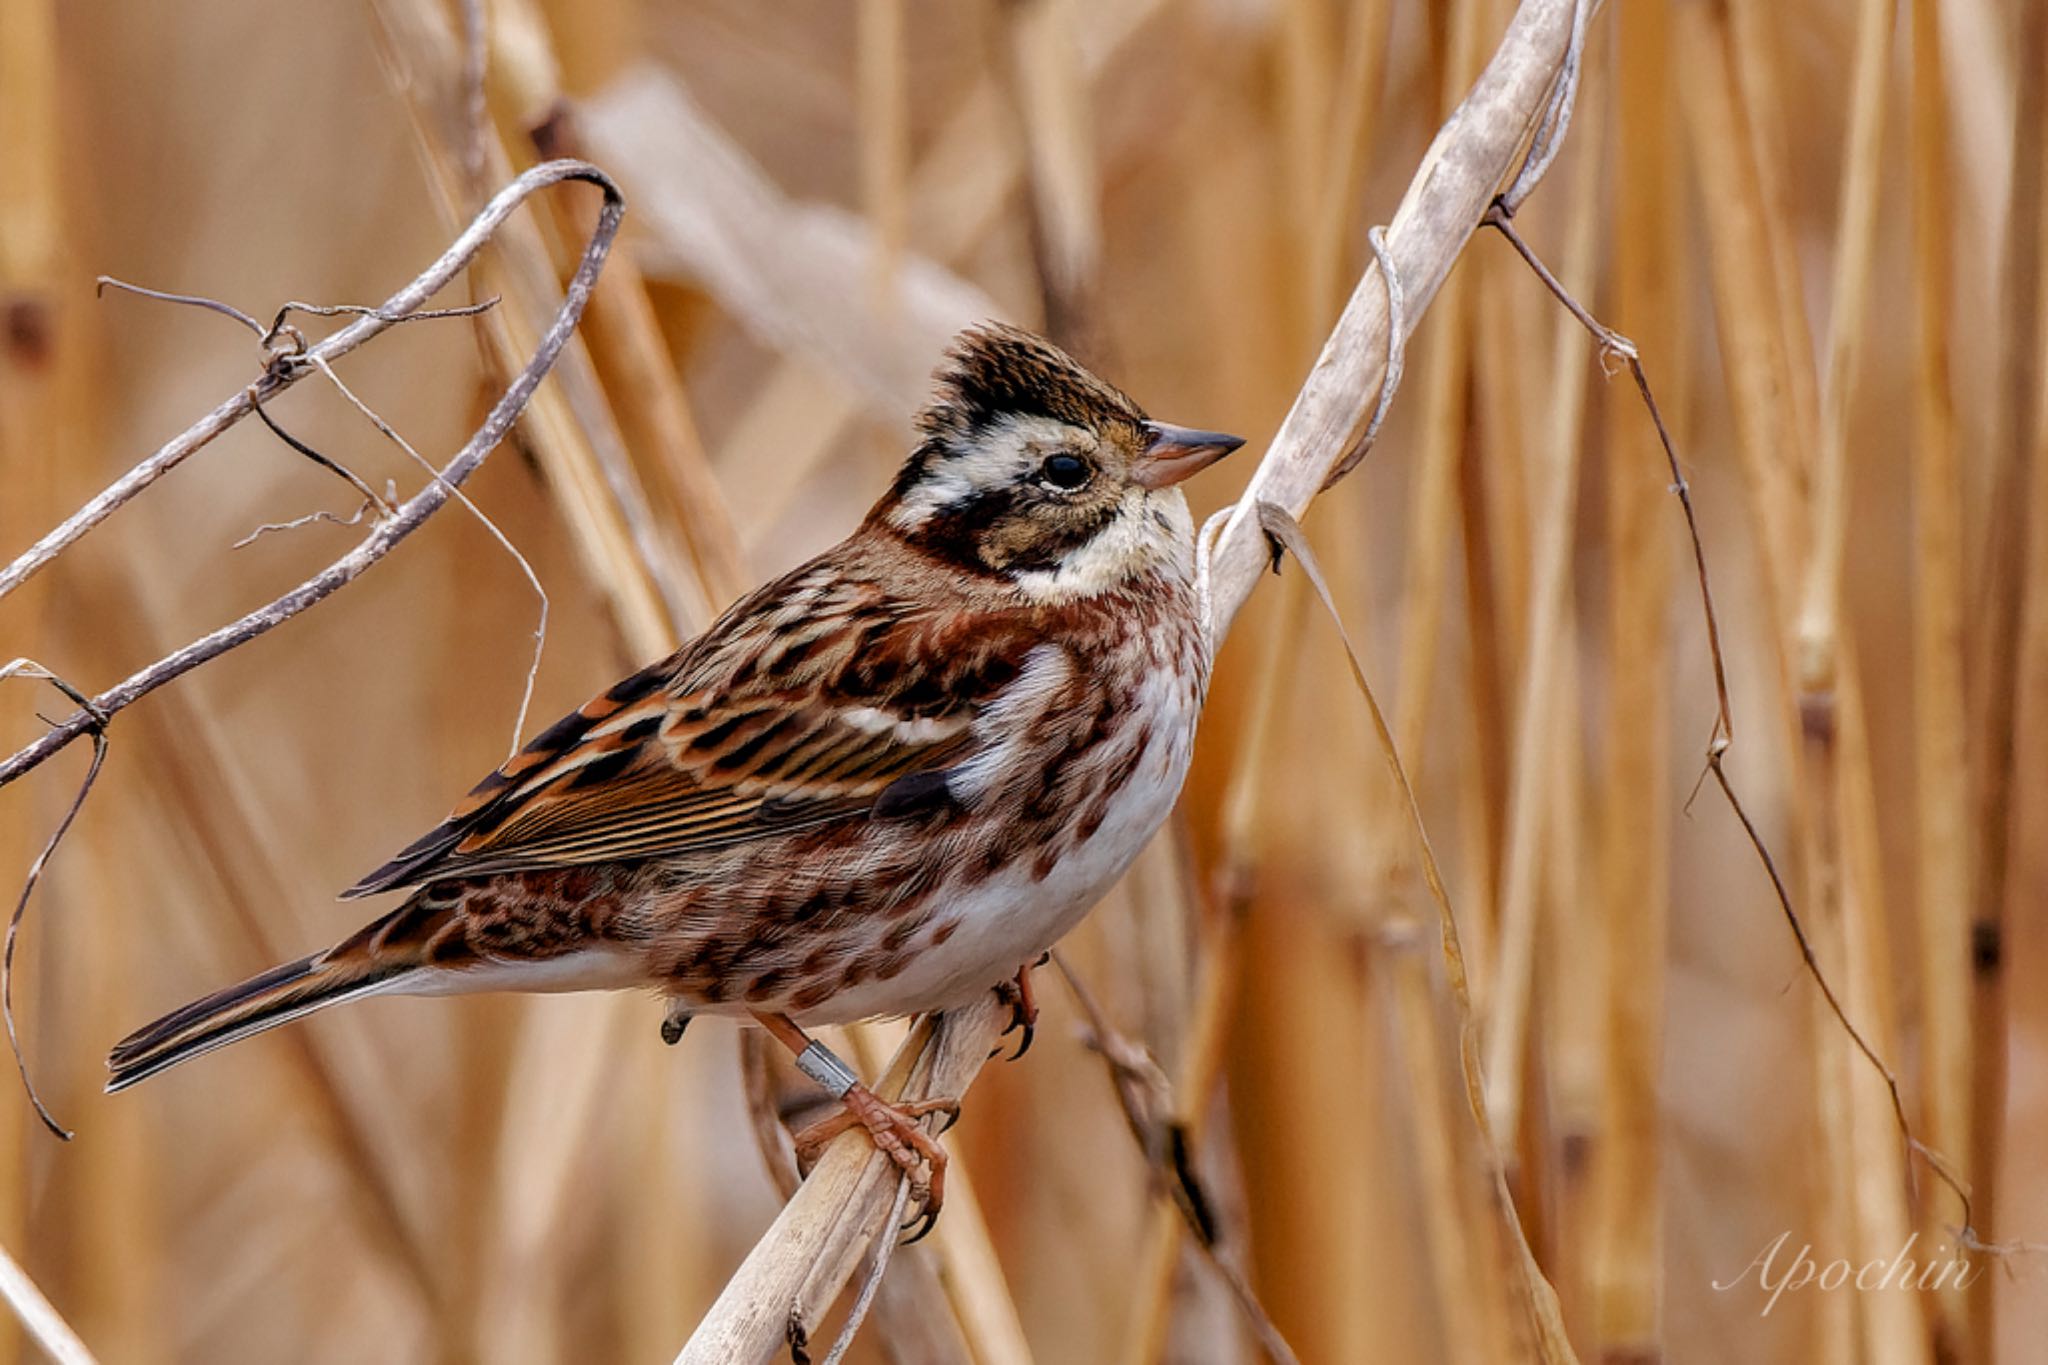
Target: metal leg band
[817,1062]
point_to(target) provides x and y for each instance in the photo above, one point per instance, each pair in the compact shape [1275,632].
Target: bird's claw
[897,1130]
[1017,994]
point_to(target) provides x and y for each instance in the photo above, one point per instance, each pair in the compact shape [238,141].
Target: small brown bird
[883,784]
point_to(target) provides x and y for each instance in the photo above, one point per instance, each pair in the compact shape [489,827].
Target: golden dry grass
[1821,223]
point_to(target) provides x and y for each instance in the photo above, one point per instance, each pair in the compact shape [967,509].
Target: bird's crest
[994,370]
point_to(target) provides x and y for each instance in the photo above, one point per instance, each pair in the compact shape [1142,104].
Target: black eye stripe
[960,532]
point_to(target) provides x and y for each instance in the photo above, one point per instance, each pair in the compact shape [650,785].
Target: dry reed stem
[1996,587]
[1866,1173]
[45,1325]
[1201,1064]
[1568,1054]
[2002,593]
[1545,1323]
[786,1273]
[1167,1129]
[633,362]
[2003,949]
[1941,711]
[961,1293]
[783,1288]
[883,97]
[1755,81]
[1856,244]
[1748,308]
[1537,728]
[1445,367]
[1049,92]
[971,1279]
[570,430]
[1459,1249]
[1893,1327]
[1625,1244]
[1304,86]
[1354,107]
[42,360]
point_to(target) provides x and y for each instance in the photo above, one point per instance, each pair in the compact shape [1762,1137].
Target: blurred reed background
[1822,222]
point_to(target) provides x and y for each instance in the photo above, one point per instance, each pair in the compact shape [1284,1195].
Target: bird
[883,784]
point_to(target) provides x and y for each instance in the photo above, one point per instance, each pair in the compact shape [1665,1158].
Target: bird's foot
[1017,994]
[898,1131]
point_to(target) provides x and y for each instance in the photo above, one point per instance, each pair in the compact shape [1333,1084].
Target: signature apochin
[1778,1270]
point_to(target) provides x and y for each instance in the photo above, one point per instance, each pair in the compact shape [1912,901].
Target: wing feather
[720,744]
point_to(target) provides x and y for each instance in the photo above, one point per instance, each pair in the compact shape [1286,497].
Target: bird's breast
[1024,869]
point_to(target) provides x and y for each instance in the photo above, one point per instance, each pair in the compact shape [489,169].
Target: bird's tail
[369,963]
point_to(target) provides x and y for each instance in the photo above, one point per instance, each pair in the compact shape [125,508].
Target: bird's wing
[764,726]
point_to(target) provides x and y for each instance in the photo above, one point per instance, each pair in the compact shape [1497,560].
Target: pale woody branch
[814,1246]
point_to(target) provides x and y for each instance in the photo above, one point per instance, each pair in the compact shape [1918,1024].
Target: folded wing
[682,757]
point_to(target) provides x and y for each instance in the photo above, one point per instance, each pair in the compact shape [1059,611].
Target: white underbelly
[1008,919]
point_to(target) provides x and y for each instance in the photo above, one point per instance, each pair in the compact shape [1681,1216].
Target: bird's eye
[1066,472]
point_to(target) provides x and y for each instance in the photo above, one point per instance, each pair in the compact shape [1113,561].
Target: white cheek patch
[1001,454]
[1152,531]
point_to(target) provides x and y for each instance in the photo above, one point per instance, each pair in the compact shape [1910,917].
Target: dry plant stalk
[794,1273]
[799,1266]
[45,1326]
[1942,717]
[1625,1275]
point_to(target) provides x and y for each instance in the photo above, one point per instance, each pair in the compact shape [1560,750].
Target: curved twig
[277,378]
[406,519]
[28,668]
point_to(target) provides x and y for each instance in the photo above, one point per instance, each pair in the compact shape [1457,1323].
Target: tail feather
[278,996]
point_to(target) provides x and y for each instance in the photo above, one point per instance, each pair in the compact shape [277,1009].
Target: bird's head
[1032,468]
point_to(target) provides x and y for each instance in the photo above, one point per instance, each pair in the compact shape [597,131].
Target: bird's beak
[1174,453]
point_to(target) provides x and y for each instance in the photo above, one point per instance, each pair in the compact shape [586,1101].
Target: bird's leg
[894,1128]
[1017,994]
